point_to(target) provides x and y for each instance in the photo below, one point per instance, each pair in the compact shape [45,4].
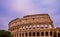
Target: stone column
[28,34]
[35,34]
[44,33]
[18,35]
[53,33]
[21,34]
[24,34]
[57,33]
[49,33]
[31,34]
[14,34]
[40,33]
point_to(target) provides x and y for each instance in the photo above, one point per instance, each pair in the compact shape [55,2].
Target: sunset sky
[11,9]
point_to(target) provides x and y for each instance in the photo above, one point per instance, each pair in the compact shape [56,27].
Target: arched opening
[38,26]
[58,34]
[50,26]
[17,34]
[50,33]
[12,35]
[22,34]
[33,33]
[29,33]
[46,33]
[23,27]
[26,34]
[42,33]
[38,34]
[30,27]
[42,26]
[26,27]
[46,26]
[34,26]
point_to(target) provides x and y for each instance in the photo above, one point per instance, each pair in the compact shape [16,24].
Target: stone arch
[46,33]
[33,33]
[22,34]
[38,34]
[29,33]
[42,26]
[42,33]
[34,26]
[38,26]
[30,27]
[50,33]
[46,26]
[26,34]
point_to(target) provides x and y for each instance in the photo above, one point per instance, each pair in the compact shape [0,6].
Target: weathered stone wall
[31,23]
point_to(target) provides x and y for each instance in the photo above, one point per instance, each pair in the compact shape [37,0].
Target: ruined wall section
[40,19]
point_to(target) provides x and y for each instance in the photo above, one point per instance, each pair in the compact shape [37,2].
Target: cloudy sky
[11,9]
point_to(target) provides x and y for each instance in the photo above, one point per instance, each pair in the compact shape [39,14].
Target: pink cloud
[27,7]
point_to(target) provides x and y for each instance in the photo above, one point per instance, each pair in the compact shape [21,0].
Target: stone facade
[38,25]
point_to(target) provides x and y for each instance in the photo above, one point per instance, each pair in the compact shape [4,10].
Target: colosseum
[37,25]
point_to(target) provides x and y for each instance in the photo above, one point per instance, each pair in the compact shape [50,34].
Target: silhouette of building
[38,25]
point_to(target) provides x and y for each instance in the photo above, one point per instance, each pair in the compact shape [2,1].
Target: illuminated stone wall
[38,25]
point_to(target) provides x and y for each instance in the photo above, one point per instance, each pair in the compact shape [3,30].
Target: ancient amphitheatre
[37,25]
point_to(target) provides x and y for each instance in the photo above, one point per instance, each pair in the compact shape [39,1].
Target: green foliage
[4,33]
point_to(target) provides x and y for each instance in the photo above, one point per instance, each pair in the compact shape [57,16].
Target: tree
[4,33]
